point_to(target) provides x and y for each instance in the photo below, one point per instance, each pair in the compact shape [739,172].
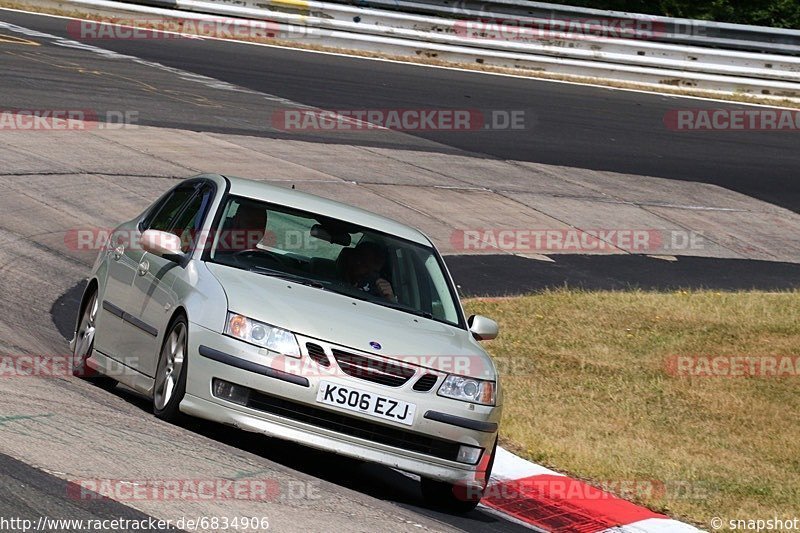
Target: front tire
[448,497]
[454,498]
[170,383]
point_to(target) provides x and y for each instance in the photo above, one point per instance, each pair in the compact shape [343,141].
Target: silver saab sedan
[301,318]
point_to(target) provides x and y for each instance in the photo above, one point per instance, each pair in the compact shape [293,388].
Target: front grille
[316,353]
[425,383]
[375,370]
[353,427]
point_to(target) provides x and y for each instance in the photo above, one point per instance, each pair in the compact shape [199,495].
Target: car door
[153,297]
[121,258]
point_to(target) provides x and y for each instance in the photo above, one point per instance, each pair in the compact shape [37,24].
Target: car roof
[259,190]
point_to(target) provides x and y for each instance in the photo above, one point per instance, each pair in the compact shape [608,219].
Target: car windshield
[334,255]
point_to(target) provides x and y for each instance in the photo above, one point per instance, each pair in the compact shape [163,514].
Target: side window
[442,305]
[181,212]
[153,211]
[162,219]
[189,219]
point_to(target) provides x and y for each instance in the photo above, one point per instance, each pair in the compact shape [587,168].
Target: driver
[363,270]
[248,226]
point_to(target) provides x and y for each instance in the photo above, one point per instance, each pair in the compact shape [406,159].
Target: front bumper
[440,420]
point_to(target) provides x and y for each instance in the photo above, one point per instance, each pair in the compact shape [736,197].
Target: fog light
[230,392]
[469,455]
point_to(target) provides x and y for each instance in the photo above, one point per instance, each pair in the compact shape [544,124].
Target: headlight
[261,334]
[468,389]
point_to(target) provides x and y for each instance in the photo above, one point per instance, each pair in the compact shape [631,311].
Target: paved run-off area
[465,204]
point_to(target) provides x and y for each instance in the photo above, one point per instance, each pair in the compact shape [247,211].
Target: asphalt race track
[208,98]
[581,128]
[568,125]
[28,494]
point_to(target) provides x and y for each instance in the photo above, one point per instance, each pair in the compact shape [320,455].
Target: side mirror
[162,244]
[482,328]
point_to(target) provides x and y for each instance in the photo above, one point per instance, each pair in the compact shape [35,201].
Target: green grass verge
[588,391]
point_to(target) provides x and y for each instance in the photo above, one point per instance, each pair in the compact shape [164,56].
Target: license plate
[367,403]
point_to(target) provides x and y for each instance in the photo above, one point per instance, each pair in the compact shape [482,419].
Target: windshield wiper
[378,300]
[406,308]
[288,277]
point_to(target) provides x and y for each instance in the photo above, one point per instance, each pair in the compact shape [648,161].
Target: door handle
[118,251]
[144,267]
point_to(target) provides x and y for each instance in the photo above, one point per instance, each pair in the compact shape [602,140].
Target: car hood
[353,323]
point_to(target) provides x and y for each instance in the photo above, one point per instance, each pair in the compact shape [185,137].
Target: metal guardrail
[553,50]
[562,42]
[674,30]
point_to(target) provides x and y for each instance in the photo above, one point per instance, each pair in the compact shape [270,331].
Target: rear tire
[84,345]
[170,383]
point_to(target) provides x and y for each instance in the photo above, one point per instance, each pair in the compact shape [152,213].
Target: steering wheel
[256,253]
